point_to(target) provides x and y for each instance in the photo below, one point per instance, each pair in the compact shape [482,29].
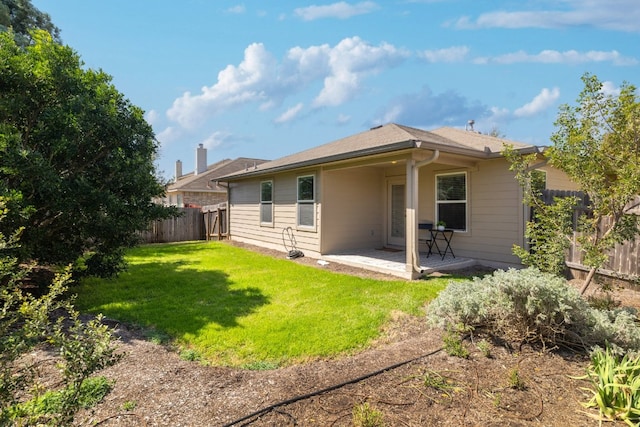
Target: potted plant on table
[441,225]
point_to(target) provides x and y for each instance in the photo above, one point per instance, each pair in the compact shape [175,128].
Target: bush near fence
[623,259]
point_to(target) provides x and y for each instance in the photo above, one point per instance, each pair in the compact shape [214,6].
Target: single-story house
[199,188]
[374,189]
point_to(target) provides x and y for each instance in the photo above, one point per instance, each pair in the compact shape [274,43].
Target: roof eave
[322,160]
[397,146]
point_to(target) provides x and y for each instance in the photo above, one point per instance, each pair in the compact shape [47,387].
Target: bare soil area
[405,375]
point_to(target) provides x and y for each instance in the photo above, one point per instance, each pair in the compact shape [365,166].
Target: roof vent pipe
[469,125]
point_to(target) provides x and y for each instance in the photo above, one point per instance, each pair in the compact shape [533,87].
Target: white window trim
[305,202]
[466,199]
[263,202]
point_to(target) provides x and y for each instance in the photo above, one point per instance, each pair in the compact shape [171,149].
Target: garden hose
[328,389]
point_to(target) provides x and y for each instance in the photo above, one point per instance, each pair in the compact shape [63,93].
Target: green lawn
[239,308]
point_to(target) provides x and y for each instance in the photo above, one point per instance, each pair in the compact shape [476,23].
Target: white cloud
[343,119]
[350,61]
[498,115]
[239,9]
[235,86]
[610,89]
[151,117]
[259,78]
[451,54]
[290,114]
[168,135]
[542,102]
[340,10]
[216,139]
[556,57]
[618,15]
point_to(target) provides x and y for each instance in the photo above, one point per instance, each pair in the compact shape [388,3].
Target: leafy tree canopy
[597,143]
[76,158]
[22,18]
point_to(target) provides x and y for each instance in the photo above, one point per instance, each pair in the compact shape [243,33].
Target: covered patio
[393,261]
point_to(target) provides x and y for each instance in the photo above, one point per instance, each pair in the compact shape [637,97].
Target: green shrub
[534,307]
[50,403]
[48,321]
[453,345]
[189,355]
[365,415]
[484,347]
[129,405]
[616,386]
[516,381]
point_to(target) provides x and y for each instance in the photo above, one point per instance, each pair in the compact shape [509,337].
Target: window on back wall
[266,202]
[451,200]
[306,201]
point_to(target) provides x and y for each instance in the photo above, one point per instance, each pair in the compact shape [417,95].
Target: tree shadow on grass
[173,298]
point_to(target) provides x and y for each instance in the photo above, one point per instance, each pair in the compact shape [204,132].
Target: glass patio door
[397,211]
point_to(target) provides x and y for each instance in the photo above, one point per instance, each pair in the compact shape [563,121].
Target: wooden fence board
[623,258]
[215,222]
[188,226]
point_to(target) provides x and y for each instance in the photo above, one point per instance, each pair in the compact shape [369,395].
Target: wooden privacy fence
[188,226]
[623,258]
[215,221]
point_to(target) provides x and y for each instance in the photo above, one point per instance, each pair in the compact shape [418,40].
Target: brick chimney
[201,160]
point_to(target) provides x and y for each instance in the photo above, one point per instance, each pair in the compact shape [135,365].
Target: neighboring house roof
[386,139]
[205,181]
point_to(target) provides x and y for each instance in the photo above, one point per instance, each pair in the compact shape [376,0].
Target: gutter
[397,146]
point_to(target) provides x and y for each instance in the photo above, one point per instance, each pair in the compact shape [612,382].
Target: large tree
[23,18]
[597,143]
[76,155]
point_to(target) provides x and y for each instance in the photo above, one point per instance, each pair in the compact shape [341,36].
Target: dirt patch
[405,375]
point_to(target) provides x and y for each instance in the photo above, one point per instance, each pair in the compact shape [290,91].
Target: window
[266,202]
[451,200]
[306,201]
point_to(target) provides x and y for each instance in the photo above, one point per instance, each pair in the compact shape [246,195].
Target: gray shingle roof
[386,139]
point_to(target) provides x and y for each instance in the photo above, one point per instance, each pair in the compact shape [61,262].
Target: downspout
[413,232]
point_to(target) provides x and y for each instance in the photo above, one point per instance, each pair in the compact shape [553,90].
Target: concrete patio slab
[392,261]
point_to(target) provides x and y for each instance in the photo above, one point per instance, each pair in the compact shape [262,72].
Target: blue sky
[266,79]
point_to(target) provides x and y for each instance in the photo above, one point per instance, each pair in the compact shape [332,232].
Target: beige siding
[558,180]
[494,211]
[353,209]
[352,205]
[244,221]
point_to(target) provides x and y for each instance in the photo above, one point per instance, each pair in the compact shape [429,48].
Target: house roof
[203,181]
[387,139]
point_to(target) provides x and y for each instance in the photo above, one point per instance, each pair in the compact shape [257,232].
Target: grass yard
[235,307]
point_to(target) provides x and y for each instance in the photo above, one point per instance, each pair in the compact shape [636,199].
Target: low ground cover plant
[529,306]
